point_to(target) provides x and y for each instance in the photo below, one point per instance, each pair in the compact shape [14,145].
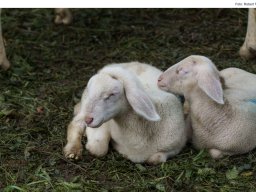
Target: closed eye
[109,96]
[182,71]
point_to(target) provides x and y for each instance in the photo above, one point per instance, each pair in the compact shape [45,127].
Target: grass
[50,67]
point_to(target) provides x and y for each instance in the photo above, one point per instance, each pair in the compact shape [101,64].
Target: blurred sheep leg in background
[63,16]
[248,50]
[4,63]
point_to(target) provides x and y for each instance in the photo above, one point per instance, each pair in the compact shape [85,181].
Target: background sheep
[223,119]
[120,101]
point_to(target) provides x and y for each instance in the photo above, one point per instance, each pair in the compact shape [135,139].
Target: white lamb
[222,104]
[120,104]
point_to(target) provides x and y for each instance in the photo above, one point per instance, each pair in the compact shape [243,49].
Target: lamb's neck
[122,116]
[206,110]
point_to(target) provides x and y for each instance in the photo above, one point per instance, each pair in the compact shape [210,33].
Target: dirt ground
[51,65]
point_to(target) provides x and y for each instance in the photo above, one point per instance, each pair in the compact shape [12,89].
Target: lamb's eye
[181,71]
[109,96]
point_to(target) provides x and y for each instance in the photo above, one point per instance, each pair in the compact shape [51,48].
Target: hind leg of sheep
[97,140]
[4,63]
[248,50]
[160,157]
[63,16]
[74,148]
[216,154]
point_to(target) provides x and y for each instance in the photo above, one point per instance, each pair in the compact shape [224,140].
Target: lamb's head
[108,94]
[193,71]
[101,100]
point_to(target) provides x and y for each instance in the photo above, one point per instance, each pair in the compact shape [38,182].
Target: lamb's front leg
[4,63]
[74,148]
[248,50]
[98,140]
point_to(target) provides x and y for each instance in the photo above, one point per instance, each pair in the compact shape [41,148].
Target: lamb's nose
[88,120]
[160,82]
[160,78]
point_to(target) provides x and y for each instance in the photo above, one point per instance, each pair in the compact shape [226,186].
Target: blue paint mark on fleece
[252,101]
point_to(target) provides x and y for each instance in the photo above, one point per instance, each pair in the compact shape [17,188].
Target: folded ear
[141,103]
[210,83]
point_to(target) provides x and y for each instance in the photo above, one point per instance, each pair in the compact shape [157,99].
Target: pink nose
[160,78]
[160,82]
[88,120]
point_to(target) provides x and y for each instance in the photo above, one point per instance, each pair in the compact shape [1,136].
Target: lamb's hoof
[216,154]
[157,158]
[5,64]
[248,51]
[73,152]
[63,16]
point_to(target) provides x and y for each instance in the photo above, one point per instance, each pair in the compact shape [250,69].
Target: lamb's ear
[141,103]
[210,83]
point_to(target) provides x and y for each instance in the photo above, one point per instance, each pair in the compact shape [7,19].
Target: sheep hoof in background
[63,16]
[248,50]
[4,63]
